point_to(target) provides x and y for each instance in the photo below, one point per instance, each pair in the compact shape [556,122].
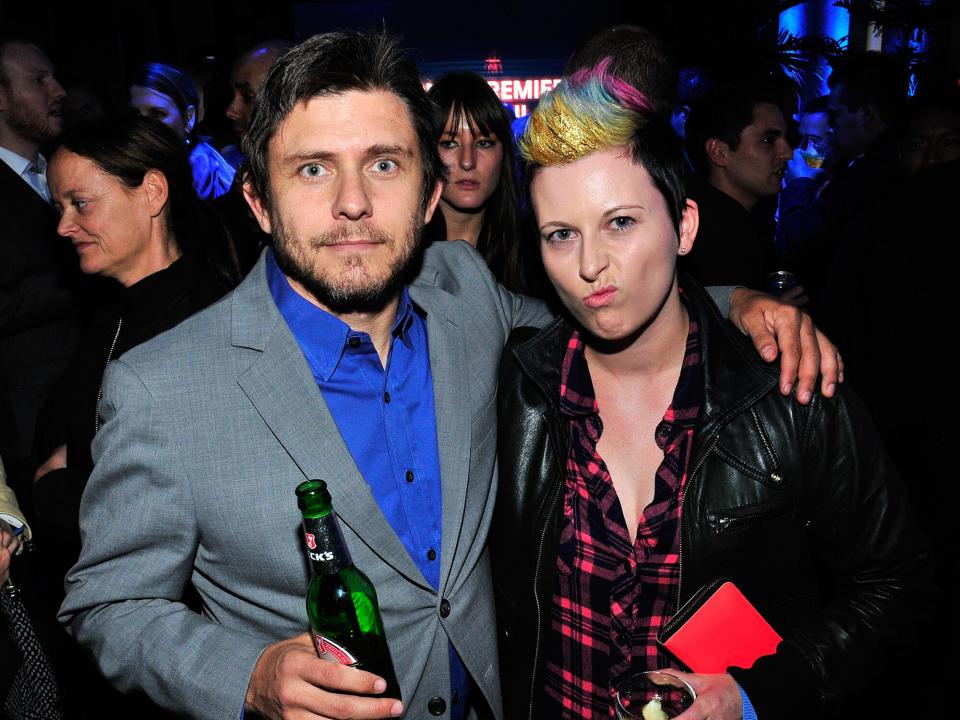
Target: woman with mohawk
[645,452]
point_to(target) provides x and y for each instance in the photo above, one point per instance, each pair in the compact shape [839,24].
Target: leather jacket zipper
[723,523]
[700,460]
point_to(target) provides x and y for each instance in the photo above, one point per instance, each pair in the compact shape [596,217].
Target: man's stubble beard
[32,126]
[366,295]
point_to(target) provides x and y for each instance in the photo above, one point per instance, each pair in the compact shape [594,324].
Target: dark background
[100,42]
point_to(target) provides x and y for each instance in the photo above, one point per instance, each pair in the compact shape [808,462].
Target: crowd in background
[117,224]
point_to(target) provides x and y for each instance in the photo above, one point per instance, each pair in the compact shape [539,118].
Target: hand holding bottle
[289,679]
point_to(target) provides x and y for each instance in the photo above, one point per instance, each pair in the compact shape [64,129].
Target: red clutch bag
[718,628]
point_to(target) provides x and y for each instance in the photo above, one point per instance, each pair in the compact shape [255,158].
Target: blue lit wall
[817,17]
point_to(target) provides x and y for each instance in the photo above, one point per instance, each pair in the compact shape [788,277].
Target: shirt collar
[19,164]
[322,336]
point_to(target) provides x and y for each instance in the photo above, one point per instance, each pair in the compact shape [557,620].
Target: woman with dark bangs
[479,202]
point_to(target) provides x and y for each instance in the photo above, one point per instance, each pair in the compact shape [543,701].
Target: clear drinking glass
[653,695]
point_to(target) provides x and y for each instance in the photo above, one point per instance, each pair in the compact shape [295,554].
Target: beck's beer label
[331,651]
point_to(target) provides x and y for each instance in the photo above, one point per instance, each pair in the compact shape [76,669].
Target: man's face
[932,137]
[815,133]
[246,79]
[31,104]
[850,136]
[755,169]
[346,212]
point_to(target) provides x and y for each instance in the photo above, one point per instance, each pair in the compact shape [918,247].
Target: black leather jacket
[799,505]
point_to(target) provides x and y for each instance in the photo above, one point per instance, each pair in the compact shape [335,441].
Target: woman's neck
[162,252]
[462,224]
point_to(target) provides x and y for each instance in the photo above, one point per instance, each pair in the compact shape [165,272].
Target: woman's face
[607,241]
[108,223]
[473,162]
[151,103]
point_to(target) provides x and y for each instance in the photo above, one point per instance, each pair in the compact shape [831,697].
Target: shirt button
[437,706]
[354,342]
[444,608]
[386,397]
[409,476]
[431,554]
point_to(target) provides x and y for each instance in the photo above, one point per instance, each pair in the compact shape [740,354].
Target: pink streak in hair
[625,93]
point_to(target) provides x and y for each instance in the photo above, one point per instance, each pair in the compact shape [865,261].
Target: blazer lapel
[450,397]
[282,389]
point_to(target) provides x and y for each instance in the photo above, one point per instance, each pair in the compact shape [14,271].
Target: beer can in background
[780,281]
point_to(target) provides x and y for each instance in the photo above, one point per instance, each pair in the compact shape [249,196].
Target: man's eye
[157,113]
[313,170]
[385,166]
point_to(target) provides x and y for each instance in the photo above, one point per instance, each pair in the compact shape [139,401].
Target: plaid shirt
[611,596]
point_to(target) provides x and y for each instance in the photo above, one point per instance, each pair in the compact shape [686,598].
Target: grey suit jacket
[207,431]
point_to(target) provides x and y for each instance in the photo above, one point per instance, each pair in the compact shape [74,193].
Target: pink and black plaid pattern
[611,596]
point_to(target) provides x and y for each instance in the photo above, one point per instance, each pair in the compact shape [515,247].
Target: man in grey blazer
[208,429]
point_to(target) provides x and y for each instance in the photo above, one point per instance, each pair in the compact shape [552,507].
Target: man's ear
[689,224]
[260,211]
[717,151]
[869,114]
[434,200]
[156,191]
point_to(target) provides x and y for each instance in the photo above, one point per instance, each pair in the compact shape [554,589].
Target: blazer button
[444,612]
[437,705]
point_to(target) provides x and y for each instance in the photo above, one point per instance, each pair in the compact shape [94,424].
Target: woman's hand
[57,460]
[718,697]
[9,544]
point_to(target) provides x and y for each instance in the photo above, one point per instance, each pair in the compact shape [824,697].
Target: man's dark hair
[723,114]
[331,64]
[638,57]
[819,104]
[874,80]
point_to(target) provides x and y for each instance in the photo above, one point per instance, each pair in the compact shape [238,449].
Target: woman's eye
[559,236]
[447,144]
[486,143]
[313,170]
[385,166]
[622,223]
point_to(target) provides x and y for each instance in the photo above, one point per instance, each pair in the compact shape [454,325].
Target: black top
[153,305]
[730,248]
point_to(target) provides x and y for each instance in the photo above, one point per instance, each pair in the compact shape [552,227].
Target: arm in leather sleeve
[140,536]
[865,536]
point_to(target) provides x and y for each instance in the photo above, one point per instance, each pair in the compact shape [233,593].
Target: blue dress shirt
[387,419]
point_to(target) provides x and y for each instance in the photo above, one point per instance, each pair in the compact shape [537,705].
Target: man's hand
[9,544]
[718,697]
[290,681]
[805,350]
[797,168]
[795,296]
[57,460]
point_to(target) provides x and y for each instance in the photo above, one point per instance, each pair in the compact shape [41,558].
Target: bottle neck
[326,547]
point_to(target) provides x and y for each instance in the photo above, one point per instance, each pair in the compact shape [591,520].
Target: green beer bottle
[341,602]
